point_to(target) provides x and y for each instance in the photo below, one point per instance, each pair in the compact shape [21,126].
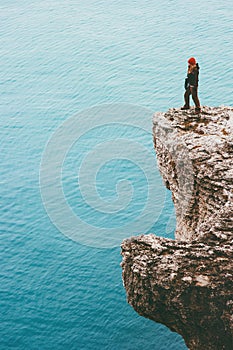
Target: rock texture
[187,283]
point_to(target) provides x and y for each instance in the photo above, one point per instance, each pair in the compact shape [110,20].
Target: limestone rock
[187,283]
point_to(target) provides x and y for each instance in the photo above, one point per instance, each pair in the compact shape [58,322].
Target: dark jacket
[192,78]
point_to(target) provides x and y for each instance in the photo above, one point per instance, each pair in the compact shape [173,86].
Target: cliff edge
[187,283]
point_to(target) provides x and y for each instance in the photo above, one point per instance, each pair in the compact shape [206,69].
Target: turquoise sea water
[58,60]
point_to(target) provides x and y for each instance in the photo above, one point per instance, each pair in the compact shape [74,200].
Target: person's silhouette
[191,85]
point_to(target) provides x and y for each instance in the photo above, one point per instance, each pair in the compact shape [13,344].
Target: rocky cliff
[187,283]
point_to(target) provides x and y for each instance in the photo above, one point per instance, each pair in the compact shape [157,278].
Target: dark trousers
[191,91]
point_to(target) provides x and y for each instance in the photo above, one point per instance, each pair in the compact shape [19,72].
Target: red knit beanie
[192,61]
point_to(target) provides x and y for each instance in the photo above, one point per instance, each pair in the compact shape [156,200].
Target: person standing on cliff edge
[191,85]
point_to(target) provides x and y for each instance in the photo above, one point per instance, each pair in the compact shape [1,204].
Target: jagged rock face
[187,283]
[195,159]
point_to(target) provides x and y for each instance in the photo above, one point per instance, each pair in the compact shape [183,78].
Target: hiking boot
[185,107]
[197,110]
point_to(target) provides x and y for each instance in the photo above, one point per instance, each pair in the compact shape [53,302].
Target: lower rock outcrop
[187,283]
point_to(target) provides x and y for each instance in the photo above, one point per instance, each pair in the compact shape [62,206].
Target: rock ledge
[187,283]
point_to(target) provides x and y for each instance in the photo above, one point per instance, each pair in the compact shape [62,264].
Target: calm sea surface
[68,193]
